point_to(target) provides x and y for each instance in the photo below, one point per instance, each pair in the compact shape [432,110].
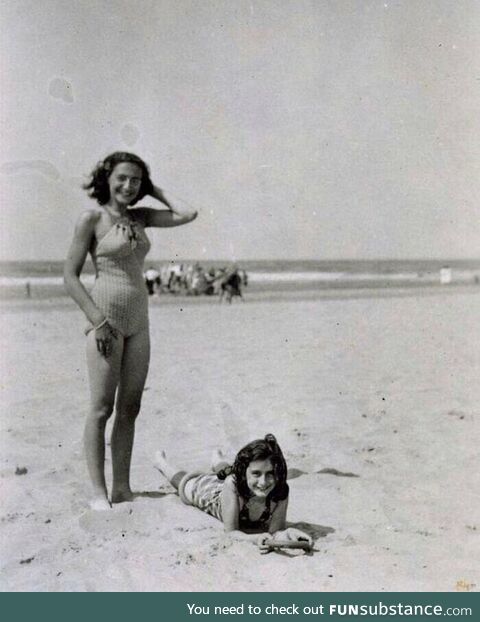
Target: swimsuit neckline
[262,520]
[132,224]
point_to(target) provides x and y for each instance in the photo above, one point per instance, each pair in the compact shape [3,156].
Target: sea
[44,278]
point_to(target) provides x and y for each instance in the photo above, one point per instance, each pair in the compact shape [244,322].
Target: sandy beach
[373,396]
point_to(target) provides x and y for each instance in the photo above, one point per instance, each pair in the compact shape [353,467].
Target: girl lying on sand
[250,497]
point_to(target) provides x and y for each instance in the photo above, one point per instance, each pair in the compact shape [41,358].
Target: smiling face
[260,477]
[124,183]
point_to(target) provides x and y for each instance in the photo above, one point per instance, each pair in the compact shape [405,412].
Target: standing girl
[118,344]
[250,497]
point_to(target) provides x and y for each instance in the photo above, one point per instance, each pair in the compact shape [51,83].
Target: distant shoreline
[263,285]
[42,280]
[350,266]
[261,278]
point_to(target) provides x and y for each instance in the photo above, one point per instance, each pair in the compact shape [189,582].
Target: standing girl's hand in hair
[171,217]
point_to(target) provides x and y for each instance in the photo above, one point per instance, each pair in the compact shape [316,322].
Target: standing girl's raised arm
[172,217]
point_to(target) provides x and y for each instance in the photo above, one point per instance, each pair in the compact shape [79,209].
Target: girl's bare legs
[171,472]
[218,461]
[174,475]
[104,374]
[133,373]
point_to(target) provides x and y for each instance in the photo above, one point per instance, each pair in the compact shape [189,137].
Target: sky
[300,129]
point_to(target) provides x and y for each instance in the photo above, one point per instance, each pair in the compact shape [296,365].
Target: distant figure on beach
[118,342]
[230,286]
[250,497]
[175,280]
[152,280]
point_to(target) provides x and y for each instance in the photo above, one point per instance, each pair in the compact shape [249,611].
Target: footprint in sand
[107,523]
[123,519]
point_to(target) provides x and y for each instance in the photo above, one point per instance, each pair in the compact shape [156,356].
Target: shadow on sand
[294,473]
[153,494]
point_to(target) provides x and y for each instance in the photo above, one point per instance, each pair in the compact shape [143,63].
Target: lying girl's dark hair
[261,449]
[98,188]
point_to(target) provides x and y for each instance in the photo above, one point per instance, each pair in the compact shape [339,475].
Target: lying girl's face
[260,477]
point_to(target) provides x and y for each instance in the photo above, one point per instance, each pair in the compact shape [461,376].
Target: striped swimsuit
[204,490]
[119,290]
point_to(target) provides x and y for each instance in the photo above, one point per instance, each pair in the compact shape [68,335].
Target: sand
[374,397]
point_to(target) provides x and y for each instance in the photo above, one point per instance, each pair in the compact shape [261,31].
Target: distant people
[244,277]
[118,345]
[175,280]
[250,497]
[195,280]
[210,282]
[231,286]
[152,280]
[164,277]
[199,281]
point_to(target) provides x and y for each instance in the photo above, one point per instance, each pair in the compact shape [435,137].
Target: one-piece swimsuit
[204,492]
[119,290]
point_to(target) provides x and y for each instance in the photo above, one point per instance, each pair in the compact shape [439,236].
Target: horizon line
[297,259]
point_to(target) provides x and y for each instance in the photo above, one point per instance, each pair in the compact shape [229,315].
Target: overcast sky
[300,129]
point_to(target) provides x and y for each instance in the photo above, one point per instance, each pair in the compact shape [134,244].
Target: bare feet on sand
[218,461]
[163,465]
[100,504]
[121,496]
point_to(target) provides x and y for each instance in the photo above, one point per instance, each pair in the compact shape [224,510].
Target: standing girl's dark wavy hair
[261,449]
[98,187]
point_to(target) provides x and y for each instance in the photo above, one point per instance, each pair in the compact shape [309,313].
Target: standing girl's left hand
[104,335]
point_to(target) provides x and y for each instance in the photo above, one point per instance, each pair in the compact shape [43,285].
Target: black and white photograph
[240,296]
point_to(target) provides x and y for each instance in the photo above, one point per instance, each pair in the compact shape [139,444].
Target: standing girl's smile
[124,184]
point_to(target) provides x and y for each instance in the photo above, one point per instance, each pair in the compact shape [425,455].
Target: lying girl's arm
[279,517]
[279,529]
[173,217]
[82,239]
[230,514]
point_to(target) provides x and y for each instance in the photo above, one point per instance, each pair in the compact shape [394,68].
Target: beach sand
[373,396]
